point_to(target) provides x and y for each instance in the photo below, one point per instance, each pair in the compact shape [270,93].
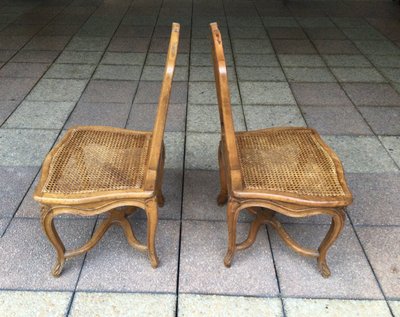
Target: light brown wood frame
[264,204]
[118,204]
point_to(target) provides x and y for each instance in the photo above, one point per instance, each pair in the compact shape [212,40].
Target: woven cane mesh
[95,160]
[287,161]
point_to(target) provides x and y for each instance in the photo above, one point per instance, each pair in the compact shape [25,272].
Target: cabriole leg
[47,219]
[152,219]
[333,233]
[232,213]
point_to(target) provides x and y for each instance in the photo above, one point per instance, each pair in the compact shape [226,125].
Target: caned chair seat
[292,162]
[94,160]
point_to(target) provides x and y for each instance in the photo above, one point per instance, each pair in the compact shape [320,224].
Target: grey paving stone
[260,117]
[366,94]
[363,33]
[351,276]
[23,147]
[376,201]
[15,88]
[392,144]
[99,113]
[377,47]
[47,43]
[120,304]
[116,58]
[87,43]
[234,306]
[258,60]
[335,47]
[301,307]
[391,74]
[23,70]
[158,59]
[306,74]
[347,74]
[385,60]
[142,117]
[251,46]
[109,91]
[24,303]
[59,29]
[134,272]
[247,33]
[40,115]
[202,73]
[165,32]
[159,45]
[280,22]
[57,90]
[301,60]
[346,61]
[348,22]
[5,55]
[15,182]
[149,92]
[27,256]
[266,93]
[74,71]
[260,74]
[6,108]
[315,22]
[174,146]
[3,225]
[205,118]
[382,249]
[204,93]
[395,306]
[382,120]
[293,46]
[26,56]
[200,197]
[118,72]
[243,22]
[201,266]
[362,154]
[325,33]
[292,33]
[13,42]
[79,57]
[139,20]
[336,120]
[29,208]
[205,59]
[319,94]
[201,150]
[157,73]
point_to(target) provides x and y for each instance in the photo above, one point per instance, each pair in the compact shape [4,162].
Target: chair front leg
[47,220]
[232,214]
[336,227]
[223,194]
[152,220]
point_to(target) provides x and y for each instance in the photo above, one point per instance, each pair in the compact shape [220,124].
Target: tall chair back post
[228,138]
[161,118]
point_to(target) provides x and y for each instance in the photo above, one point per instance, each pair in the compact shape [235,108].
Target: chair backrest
[228,137]
[161,117]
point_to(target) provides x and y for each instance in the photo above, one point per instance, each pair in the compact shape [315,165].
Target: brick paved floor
[331,65]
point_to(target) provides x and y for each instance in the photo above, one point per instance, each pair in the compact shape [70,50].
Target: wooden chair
[96,170]
[286,170]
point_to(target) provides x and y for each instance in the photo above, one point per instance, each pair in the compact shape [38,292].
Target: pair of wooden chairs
[97,170]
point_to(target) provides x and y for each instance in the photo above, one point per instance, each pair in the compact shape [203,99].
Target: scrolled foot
[57,268]
[153,260]
[222,199]
[324,269]
[228,258]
